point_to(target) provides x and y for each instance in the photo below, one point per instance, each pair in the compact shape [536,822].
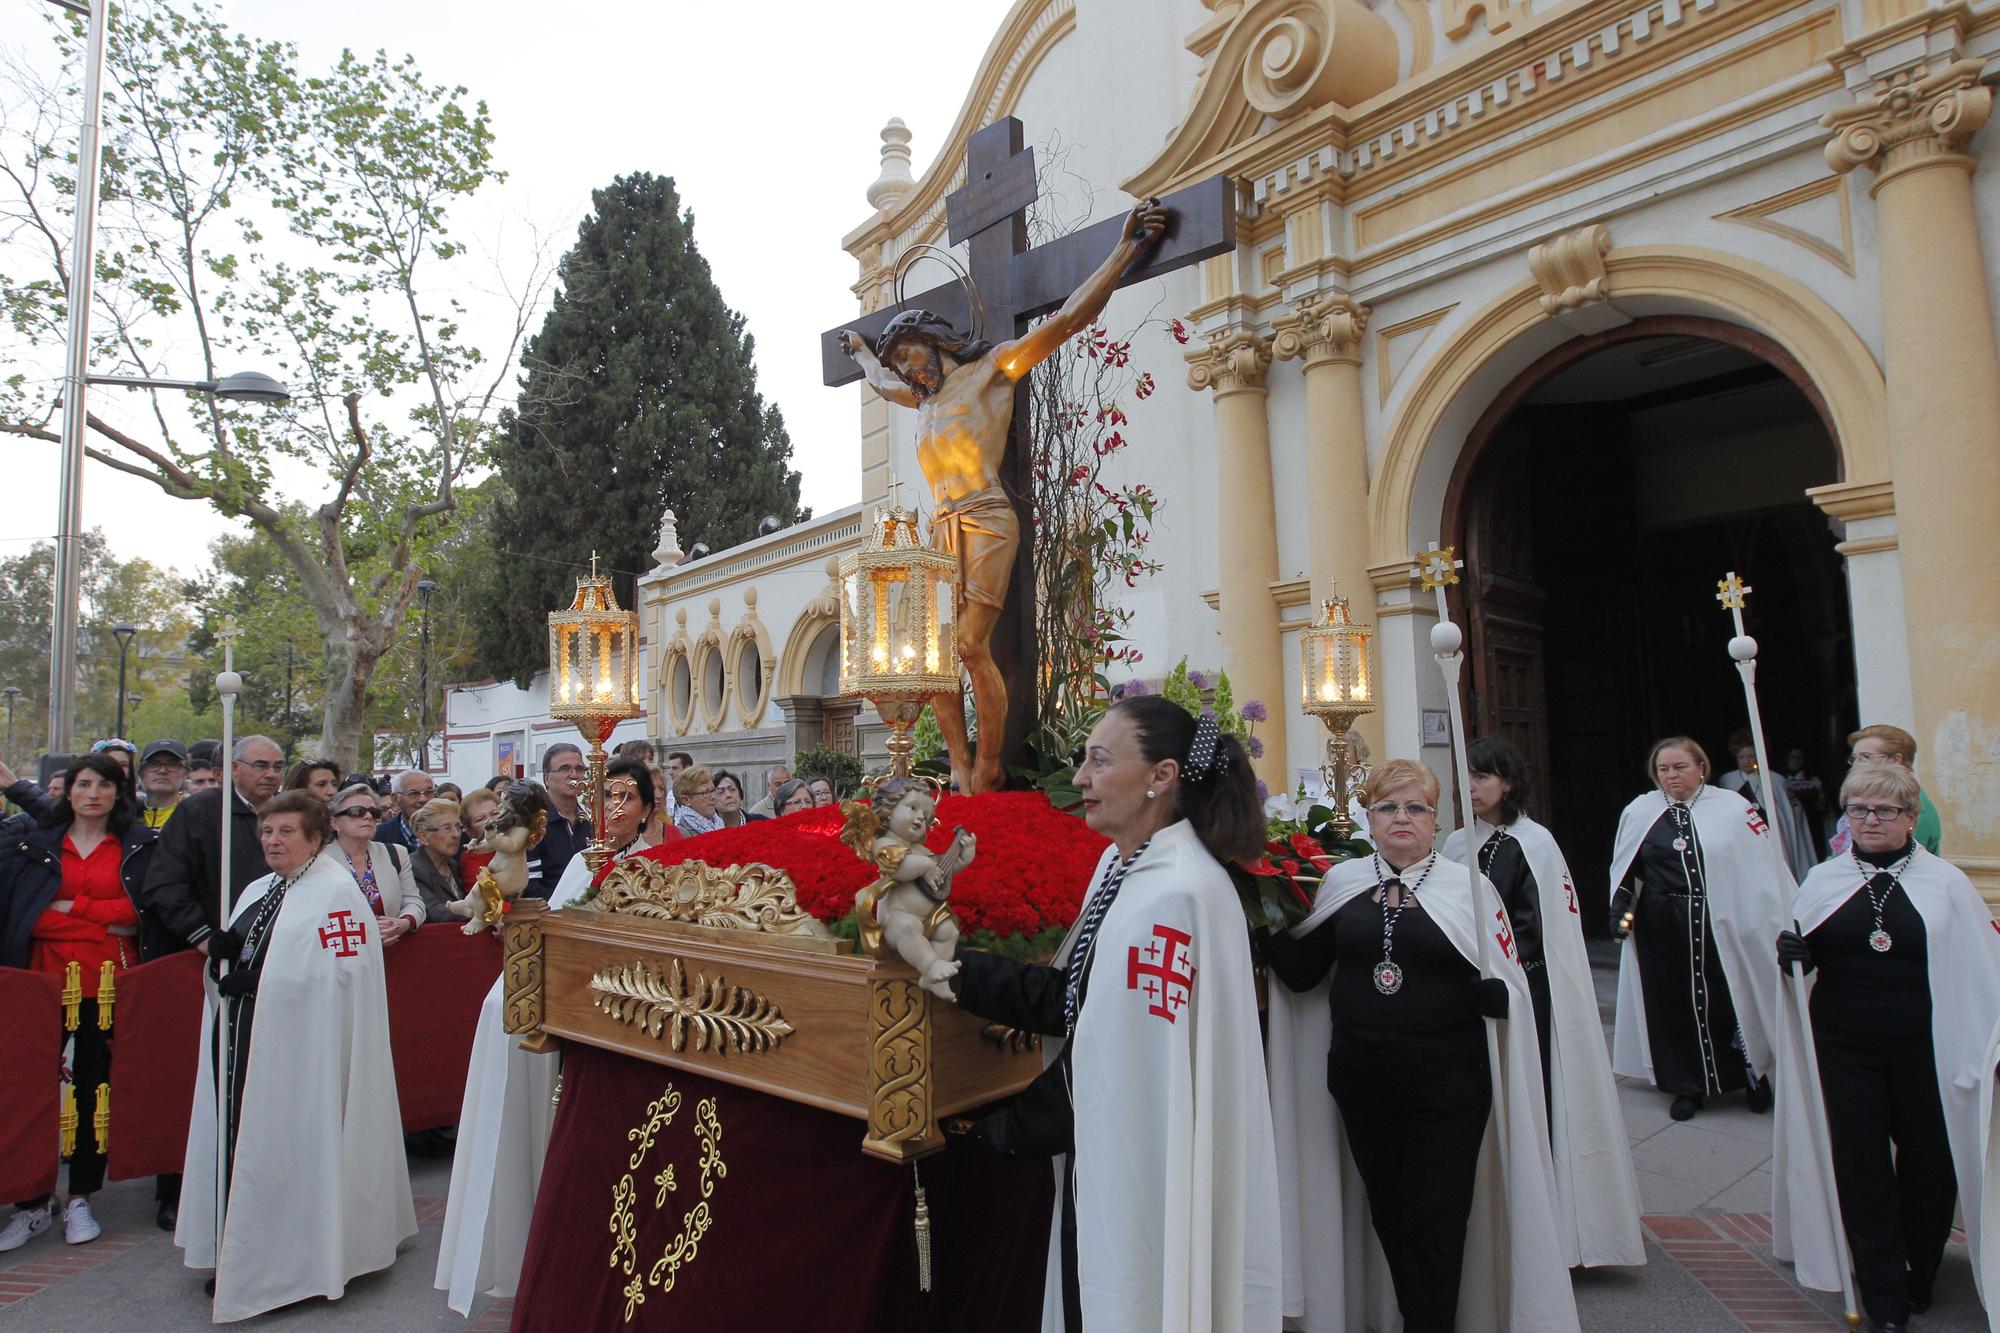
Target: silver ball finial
[229,684]
[1446,638]
[1743,648]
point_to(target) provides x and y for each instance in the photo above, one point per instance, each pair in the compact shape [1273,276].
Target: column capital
[1915,121]
[1233,361]
[1322,328]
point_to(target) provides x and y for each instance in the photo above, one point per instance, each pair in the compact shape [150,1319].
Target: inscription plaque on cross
[1016,284]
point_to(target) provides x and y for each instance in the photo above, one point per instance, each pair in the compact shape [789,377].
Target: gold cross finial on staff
[1437,568]
[593,564]
[229,633]
[1730,591]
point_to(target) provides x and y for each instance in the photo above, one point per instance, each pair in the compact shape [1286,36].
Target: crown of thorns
[923,326]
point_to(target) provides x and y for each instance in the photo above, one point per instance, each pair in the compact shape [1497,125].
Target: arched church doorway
[1596,504]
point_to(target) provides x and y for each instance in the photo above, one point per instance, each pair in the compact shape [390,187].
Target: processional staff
[228,685]
[1730,591]
[1436,570]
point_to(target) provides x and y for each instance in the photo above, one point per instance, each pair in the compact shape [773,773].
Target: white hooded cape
[1597,1196]
[1515,1276]
[1964,971]
[503,1136]
[1176,1179]
[320,1191]
[1748,893]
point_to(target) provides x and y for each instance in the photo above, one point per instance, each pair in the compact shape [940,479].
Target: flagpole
[228,685]
[1435,571]
[1743,651]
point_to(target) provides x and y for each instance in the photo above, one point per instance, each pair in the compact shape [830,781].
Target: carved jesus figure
[964,395]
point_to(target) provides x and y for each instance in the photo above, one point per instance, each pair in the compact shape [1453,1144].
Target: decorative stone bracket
[1574,280]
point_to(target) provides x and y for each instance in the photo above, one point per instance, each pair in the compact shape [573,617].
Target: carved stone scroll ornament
[1326,326]
[1571,268]
[1931,117]
[1233,361]
[721,1017]
[749,897]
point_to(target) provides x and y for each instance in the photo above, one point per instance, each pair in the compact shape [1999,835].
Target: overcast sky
[771,131]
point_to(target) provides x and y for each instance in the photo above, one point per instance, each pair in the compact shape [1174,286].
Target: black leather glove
[1489,997]
[240,981]
[1621,903]
[1794,951]
[225,946]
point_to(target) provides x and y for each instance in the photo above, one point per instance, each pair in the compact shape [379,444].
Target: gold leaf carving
[522,968]
[680,1251]
[721,1017]
[749,897]
[900,1120]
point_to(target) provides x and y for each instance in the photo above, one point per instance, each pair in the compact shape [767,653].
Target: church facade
[1613,296]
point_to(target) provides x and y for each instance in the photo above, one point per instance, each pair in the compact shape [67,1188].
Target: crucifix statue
[971,400]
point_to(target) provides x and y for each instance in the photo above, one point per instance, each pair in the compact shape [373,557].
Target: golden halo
[950,261]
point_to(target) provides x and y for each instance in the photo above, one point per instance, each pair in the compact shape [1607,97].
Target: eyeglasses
[452,827]
[702,791]
[1389,809]
[358,812]
[567,771]
[1874,814]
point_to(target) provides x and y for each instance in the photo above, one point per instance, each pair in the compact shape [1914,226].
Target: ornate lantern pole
[897,603]
[594,683]
[1336,687]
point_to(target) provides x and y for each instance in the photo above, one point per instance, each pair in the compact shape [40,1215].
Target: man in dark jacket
[183,890]
[414,790]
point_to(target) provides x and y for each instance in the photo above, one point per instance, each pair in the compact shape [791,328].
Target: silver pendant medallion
[1680,844]
[1879,941]
[1388,977]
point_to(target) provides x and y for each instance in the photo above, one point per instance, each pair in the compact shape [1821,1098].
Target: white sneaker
[25,1225]
[79,1227]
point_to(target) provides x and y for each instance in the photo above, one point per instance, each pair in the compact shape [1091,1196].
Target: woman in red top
[67,896]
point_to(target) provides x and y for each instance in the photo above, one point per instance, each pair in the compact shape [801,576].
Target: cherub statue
[909,907]
[523,819]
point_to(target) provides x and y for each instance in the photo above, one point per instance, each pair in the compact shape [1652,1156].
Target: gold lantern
[594,683]
[897,599]
[1337,687]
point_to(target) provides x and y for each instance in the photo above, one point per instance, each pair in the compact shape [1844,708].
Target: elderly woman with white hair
[1404,1022]
[1904,967]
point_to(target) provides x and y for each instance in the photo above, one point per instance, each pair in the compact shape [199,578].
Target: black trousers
[1538,993]
[1891,1162]
[1415,1113]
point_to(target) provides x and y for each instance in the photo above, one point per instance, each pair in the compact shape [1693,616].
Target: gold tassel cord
[72,995]
[107,994]
[66,1122]
[923,1231]
[100,1118]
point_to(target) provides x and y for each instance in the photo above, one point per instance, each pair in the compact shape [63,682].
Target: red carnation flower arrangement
[1023,889]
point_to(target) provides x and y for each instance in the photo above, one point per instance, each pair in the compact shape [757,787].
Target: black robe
[1504,861]
[1690,1018]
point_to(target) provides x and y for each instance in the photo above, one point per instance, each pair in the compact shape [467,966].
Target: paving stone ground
[1705,1185]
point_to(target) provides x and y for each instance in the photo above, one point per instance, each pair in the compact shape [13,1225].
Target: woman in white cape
[319,1190]
[1597,1196]
[1697,896]
[503,1125]
[1155,1105]
[1406,1090]
[1904,975]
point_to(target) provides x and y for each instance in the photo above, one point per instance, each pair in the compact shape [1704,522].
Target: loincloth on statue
[869,925]
[984,532]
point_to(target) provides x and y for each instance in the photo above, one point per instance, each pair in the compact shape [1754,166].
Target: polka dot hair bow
[1204,757]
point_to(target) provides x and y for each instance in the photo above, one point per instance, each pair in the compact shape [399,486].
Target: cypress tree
[639,394]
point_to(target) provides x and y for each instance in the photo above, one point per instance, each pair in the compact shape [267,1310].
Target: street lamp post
[288,700]
[12,692]
[425,587]
[124,633]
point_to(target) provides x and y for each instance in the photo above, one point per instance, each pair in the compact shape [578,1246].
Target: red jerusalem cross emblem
[342,934]
[1505,935]
[1161,971]
[1755,821]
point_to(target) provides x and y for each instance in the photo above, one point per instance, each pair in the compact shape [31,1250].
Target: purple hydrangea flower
[1254,711]
[1208,713]
[1263,792]
[1132,689]
[1200,680]
[1256,747]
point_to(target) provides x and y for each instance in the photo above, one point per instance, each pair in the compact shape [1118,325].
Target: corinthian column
[1943,373]
[1232,364]
[1325,331]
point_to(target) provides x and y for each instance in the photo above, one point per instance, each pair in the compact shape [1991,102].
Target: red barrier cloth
[438,977]
[31,1042]
[800,1230]
[155,1051]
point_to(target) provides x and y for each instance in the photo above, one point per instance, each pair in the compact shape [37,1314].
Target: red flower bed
[1031,871]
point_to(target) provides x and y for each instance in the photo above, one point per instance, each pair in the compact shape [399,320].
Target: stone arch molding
[707,647]
[1455,384]
[823,610]
[752,696]
[678,652]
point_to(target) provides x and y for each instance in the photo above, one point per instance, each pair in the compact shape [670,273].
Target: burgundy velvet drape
[800,1232]
[31,1042]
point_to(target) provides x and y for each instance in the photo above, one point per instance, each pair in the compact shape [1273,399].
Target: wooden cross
[1017,284]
